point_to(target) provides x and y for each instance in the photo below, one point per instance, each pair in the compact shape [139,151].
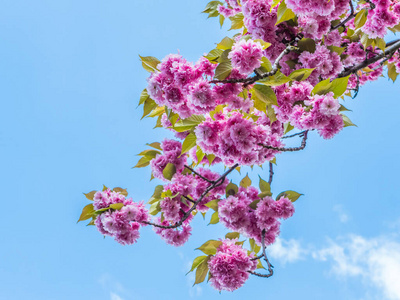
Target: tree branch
[302,146]
[214,185]
[202,177]
[270,267]
[389,51]
[271,172]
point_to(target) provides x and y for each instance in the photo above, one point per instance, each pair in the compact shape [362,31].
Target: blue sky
[69,86]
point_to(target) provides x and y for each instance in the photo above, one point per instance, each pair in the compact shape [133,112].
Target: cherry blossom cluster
[182,86]
[232,8]
[235,214]
[171,154]
[185,188]
[233,138]
[230,265]
[246,56]
[385,14]
[122,224]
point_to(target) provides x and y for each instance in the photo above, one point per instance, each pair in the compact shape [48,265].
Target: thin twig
[202,177]
[302,146]
[271,172]
[188,199]
[270,267]
[293,135]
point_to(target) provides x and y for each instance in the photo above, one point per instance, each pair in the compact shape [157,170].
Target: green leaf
[189,143]
[121,191]
[274,3]
[143,162]
[189,123]
[339,86]
[342,108]
[287,127]
[214,54]
[149,153]
[264,186]
[338,50]
[221,20]
[232,235]
[284,13]
[210,247]
[322,87]
[149,63]
[265,94]
[87,212]
[223,70]
[169,171]
[347,121]
[143,96]
[253,204]
[231,189]
[116,206]
[392,74]
[155,208]
[306,44]
[266,65]
[259,265]
[263,43]
[90,195]
[226,43]
[271,114]
[237,21]
[278,79]
[157,194]
[213,204]
[246,181]
[201,271]
[199,154]
[291,195]
[360,18]
[214,218]
[155,145]
[196,262]
[300,75]
[210,158]
[148,107]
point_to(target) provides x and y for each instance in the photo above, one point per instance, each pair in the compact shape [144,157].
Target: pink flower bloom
[229,266]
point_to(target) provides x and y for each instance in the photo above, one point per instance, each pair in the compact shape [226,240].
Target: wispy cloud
[112,286]
[376,261]
[343,216]
[287,251]
[114,296]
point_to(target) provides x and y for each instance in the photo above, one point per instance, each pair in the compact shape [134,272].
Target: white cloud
[114,296]
[343,217]
[287,251]
[376,261]
[112,286]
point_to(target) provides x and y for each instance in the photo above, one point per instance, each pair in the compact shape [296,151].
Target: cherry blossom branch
[389,51]
[250,80]
[293,135]
[214,185]
[352,15]
[202,177]
[270,267]
[271,172]
[302,146]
